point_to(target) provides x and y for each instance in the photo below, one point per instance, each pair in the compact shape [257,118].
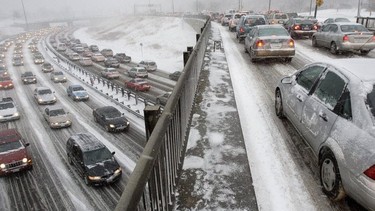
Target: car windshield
[96,156]
[14,145]
[5,79]
[304,21]
[58,73]
[142,70]
[47,65]
[57,112]
[112,70]
[78,88]
[353,28]
[342,20]
[281,16]
[28,74]
[237,16]
[273,32]
[4,106]
[44,92]
[253,21]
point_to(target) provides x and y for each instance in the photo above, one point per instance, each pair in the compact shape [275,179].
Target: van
[278,18]
[92,159]
[61,47]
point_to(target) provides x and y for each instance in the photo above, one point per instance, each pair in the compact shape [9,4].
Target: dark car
[111,118]
[111,62]
[175,75]
[246,23]
[28,78]
[77,93]
[92,159]
[14,156]
[122,58]
[299,27]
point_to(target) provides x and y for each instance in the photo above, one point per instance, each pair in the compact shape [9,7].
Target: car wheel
[246,51]
[107,128]
[288,60]
[70,160]
[313,41]
[86,178]
[330,178]
[279,104]
[333,48]
[363,52]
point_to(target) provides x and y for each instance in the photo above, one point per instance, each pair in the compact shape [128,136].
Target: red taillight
[260,43]
[291,43]
[315,27]
[370,172]
[373,38]
[242,30]
[297,27]
[345,38]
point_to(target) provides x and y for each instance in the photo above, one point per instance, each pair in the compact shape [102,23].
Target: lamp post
[359,8]
[24,13]
[141,49]
[310,7]
[269,5]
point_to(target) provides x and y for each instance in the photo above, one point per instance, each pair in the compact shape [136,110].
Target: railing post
[186,55]
[151,114]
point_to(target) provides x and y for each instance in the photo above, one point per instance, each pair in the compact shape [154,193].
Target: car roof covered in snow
[87,142]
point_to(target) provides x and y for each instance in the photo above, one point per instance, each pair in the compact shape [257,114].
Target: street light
[359,8]
[269,5]
[24,13]
[141,49]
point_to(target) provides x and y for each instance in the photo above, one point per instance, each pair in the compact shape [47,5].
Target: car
[110,73]
[332,105]
[85,61]
[111,119]
[334,20]
[163,98]
[97,57]
[87,53]
[77,93]
[94,48]
[28,78]
[269,41]
[107,52]
[6,82]
[138,72]
[344,37]
[225,19]
[8,110]
[92,159]
[138,84]
[111,62]
[14,156]
[175,75]
[246,23]
[17,61]
[47,67]
[58,77]
[148,65]
[233,21]
[74,56]
[2,55]
[44,96]
[56,117]
[300,27]
[277,18]
[3,70]
[122,58]
[38,59]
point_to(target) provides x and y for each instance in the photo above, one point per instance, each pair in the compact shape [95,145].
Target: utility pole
[24,13]
[173,6]
[359,8]
[310,7]
[269,5]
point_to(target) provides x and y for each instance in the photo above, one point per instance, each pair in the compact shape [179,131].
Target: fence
[368,22]
[152,185]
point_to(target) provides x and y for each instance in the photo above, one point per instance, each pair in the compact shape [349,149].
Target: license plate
[306,28]
[275,45]
[120,128]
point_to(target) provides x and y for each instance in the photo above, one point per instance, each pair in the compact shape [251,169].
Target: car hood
[8,111]
[106,167]
[80,93]
[60,118]
[118,120]
[13,155]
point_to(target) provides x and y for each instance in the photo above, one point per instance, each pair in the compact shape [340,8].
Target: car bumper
[59,80]
[108,180]
[46,102]
[274,53]
[304,33]
[120,128]
[14,167]
[29,81]
[9,118]
[356,46]
[61,125]
[362,189]
[80,98]
[7,87]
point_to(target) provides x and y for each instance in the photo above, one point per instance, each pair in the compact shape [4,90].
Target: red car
[13,153]
[6,82]
[138,84]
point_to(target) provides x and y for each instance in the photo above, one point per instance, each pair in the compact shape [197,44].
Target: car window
[4,106]
[307,77]
[273,32]
[344,106]
[253,21]
[14,145]
[370,101]
[330,89]
[333,28]
[326,28]
[353,28]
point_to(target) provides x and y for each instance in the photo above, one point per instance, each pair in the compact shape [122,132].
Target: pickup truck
[28,78]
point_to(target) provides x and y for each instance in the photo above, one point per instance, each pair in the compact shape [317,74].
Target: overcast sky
[50,9]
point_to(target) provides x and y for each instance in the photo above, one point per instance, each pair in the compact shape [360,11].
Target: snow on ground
[162,39]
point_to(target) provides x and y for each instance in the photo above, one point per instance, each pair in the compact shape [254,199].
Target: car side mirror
[113,153]
[27,144]
[288,79]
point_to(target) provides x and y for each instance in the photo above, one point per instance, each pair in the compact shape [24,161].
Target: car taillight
[373,38]
[345,38]
[259,43]
[291,43]
[370,172]
[242,30]
[315,27]
[297,27]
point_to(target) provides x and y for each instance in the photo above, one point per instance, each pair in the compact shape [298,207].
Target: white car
[8,110]
[56,117]
[58,77]
[44,95]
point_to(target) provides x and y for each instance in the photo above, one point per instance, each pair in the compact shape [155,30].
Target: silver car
[332,105]
[269,41]
[56,117]
[44,95]
[340,37]
[58,77]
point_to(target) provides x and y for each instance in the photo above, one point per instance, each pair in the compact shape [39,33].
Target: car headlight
[2,166]
[54,123]
[111,125]
[54,98]
[1,117]
[55,78]
[64,78]
[94,177]
[127,123]
[40,100]
[24,160]
[68,122]
[16,114]
[118,170]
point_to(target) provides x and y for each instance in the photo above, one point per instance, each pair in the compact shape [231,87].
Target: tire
[288,60]
[333,48]
[364,53]
[279,110]
[86,179]
[70,160]
[313,41]
[330,178]
[107,128]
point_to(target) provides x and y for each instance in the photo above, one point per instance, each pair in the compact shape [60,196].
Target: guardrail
[368,22]
[152,185]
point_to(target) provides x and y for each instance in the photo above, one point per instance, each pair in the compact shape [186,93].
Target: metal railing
[368,22]
[152,185]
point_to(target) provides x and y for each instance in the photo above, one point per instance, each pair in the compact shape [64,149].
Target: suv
[111,62]
[110,118]
[138,72]
[246,23]
[8,110]
[14,156]
[148,65]
[278,18]
[107,52]
[122,58]
[92,159]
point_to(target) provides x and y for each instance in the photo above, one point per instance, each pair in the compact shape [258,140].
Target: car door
[318,114]
[299,91]
[46,114]
[320,36]
[77,159]
[249,39]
